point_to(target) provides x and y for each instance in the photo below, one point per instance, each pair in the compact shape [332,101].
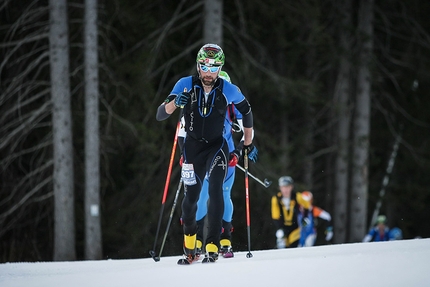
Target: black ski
[208,260]
[184,261]
[188,260]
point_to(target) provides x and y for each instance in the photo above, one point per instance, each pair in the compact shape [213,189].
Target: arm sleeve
[369,236]
[321,213]
[236,97]
[245,109]
[161,113]
[324,215]
[276,213]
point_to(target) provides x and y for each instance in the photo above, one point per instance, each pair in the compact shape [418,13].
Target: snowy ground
[395,263]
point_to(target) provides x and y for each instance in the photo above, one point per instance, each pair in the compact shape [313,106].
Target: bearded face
[208,75]
[208,80]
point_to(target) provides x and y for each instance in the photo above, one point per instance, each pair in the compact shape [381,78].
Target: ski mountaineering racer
[203,101]
[233,124]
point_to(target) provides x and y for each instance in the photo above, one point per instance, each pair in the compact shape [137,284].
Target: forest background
[301,65]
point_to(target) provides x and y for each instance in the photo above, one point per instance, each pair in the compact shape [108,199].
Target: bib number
[188,175]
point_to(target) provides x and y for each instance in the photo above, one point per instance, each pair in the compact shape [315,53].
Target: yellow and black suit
[285,217]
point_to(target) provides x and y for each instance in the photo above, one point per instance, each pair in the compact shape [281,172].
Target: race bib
[188,175]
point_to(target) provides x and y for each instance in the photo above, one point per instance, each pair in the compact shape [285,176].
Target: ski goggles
[212,69]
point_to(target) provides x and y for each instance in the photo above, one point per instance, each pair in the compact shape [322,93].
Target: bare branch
[28,123]
[25,198]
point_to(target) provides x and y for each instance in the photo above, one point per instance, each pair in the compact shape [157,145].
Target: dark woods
[301,70]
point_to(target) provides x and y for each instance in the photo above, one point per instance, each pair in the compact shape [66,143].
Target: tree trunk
[308,164]
[212,32]
[284,129]
[284,157]
[342,95]
[93,242]
[64,217]
[359,193]
[309,144]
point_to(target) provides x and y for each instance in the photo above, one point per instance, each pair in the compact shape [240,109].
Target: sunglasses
[213,69]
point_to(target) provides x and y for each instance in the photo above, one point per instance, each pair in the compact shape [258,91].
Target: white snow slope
[382,264]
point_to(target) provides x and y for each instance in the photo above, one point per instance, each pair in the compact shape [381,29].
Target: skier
[308,221]
[380,232]
[233,123]
[203,100]
[285,211]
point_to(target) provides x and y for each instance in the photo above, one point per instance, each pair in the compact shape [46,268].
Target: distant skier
[308,222]
[285,210]
[379,232]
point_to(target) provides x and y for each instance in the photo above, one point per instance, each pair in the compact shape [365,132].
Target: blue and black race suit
[205,146]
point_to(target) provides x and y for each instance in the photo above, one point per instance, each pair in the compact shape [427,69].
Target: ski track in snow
[396,263]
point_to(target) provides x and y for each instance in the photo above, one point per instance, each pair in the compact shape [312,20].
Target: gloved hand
[305,221]
[181,160]
[234,159]
[280,233]
[252,152]
[329,233]
[182,99]
[280,240]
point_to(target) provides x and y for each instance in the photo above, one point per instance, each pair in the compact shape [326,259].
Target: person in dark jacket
[285,210]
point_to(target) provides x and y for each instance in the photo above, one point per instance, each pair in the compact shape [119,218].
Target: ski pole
[178,190]
[248,218]
[266,182]
[385,181]
[166,188]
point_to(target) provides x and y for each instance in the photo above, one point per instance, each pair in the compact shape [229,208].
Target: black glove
[239,148]
[305,221]
[251,151]
[329,233]
[182,99]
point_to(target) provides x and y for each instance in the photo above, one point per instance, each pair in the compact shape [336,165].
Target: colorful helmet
[285,180]
[308,196]
[381,219]
[211,55]
[225,76]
